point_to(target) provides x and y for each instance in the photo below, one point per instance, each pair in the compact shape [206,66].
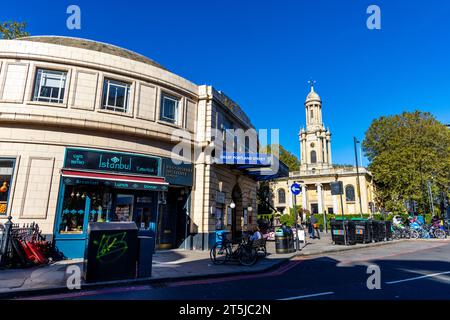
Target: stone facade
[36,134]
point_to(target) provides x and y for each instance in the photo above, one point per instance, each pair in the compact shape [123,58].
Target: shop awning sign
[114,181]
[116,162]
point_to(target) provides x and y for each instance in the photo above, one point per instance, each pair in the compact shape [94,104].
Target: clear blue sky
[262,53]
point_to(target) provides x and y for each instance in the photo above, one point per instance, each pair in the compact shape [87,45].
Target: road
[408,270]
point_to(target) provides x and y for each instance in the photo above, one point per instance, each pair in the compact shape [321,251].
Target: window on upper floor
[281,196]
[170,109]
[116,95]
[313,157]
[350,193]
[50,86]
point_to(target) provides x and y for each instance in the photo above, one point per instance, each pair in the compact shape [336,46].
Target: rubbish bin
[375,230]
[362,230]
[146,249]
[389,235]
[282,242]
[382,227]
[337,231]
[291,242]
[221,235]
[111,251]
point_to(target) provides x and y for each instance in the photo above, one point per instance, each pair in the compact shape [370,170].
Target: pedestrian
[310,228]
[315,227]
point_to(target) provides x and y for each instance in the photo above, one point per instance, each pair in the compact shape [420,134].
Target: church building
[316,173]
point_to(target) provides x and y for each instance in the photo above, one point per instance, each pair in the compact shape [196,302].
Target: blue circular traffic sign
[295,189]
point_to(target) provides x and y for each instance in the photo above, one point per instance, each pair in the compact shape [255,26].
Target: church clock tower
[315,141]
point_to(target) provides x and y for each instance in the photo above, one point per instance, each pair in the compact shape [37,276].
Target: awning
[115,180]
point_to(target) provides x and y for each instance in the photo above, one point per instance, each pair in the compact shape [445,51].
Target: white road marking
[308,296]
[418,278]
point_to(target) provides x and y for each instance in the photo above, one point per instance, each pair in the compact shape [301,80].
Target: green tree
[287,157]
[13,30]
[407,151]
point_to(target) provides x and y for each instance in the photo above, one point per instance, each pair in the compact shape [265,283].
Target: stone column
[319,197]
[304,197]
[329,152]
[319,151]
[335,204]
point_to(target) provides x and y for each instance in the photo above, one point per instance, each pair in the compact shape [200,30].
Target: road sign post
[295,190]
[337,188]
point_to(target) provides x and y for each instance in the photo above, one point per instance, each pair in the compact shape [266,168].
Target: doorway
[173,220]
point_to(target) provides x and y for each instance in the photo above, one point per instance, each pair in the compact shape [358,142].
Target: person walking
[315,227]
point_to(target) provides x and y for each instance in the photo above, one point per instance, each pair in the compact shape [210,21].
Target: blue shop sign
[106,161]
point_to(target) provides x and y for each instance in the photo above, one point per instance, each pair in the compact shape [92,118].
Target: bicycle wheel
[414,234]
[440,234]
[247,255]
[397,234]
[219,253]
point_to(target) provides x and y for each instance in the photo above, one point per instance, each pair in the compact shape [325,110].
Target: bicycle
[401,232]
[222,252]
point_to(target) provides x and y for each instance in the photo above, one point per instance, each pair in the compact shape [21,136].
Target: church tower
[315,141]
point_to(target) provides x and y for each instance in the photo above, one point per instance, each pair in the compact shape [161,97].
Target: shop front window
[76,200]
[101,203]
[124,207]
[73,211]
[6,173]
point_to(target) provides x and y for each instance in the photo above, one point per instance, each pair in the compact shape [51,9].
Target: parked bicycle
[223,251]
[401,232]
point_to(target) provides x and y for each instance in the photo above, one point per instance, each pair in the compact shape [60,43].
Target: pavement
[173,265]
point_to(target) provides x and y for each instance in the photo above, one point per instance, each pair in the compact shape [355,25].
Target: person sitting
[256,234]
[436,222]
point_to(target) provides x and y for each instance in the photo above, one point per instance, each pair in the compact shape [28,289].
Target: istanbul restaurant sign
[96,160]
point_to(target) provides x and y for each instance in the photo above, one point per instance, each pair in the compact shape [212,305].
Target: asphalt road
[408,270]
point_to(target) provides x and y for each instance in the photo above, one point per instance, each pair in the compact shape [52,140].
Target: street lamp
[232,205]
[355,141]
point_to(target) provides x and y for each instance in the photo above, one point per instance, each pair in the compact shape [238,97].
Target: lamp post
[430,193]
[355,141]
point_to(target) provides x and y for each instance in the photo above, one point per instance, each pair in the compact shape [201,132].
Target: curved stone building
[87,133]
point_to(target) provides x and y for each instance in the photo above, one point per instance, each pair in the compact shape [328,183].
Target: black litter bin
[382,226]
[337,232]
[284,242]
[111,251]
[389,230]
[362,231]
[146,249]
[375,230]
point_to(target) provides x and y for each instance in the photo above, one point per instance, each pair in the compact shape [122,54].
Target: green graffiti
[111,247]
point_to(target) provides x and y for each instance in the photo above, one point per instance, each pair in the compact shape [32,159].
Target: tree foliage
[13,30]
[287,157]
[406,152]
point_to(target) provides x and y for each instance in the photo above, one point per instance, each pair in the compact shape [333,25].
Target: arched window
[313,157]
[281,196]
[350,193]
[312,114]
